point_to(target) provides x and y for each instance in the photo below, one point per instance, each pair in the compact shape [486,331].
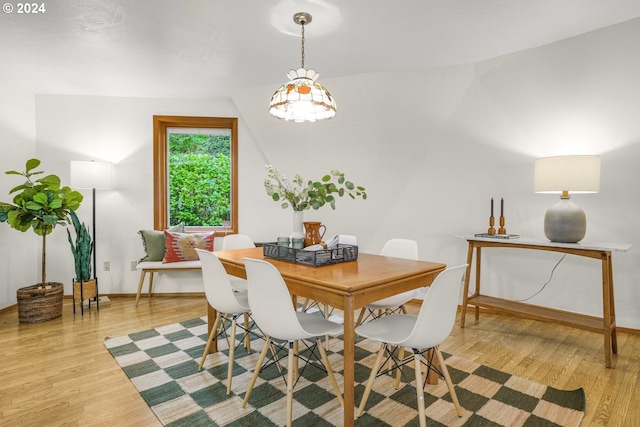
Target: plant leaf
[33,206]
[52,181]
[32,164]
[41,198]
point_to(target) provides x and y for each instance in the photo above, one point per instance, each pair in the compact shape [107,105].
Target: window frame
[161,167]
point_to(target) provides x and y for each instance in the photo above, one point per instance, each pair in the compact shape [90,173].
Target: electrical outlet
[106,266]
[134,265]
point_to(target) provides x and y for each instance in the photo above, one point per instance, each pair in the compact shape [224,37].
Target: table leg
[610,341]
[477,291]
[432,376]
[349,361]
[465,294]
[211,318]
[614,339]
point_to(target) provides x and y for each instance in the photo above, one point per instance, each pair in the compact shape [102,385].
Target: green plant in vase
[301,195]
[84,286]
[81,249]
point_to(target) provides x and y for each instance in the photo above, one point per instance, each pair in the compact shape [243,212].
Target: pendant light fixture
[302,99]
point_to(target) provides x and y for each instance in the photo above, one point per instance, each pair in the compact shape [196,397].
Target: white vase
[298,227]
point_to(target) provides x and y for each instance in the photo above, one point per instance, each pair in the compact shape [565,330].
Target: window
[196,173]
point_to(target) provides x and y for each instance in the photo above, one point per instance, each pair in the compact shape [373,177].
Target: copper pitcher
[312,234]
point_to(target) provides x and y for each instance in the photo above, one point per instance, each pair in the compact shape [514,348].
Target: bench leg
[150,282]
[142,274]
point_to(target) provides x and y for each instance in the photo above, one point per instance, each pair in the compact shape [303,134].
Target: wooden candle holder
[491,231]
[502,230]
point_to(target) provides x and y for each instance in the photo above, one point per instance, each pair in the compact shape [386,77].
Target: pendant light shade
[302,99]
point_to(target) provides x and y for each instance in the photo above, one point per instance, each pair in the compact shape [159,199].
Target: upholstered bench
[152,267]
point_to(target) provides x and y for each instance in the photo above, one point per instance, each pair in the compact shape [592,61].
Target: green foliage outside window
[199,179]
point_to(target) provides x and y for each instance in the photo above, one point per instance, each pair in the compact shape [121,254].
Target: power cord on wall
[548,281]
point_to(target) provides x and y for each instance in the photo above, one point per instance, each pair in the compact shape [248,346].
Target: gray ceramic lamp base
[565,222]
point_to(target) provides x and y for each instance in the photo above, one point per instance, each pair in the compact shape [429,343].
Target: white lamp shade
[91,174]
[575,174]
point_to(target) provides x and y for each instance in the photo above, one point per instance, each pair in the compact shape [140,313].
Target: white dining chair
[397,248]
[237,241]
[421,333]
[227,302]
[275,315]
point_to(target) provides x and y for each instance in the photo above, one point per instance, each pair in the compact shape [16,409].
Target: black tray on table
[342,253]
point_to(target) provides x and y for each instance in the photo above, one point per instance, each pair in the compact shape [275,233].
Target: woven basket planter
[39,305]
[84,290]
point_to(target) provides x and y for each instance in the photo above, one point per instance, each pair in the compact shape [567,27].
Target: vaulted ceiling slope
[209,48]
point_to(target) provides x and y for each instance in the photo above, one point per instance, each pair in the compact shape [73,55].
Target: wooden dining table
[346,286]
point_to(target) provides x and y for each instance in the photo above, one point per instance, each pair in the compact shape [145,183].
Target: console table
[602,251]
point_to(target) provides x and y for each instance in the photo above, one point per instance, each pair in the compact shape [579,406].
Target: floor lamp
[94,175]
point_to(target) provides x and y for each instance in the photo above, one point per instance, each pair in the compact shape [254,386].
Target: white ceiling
[209,48]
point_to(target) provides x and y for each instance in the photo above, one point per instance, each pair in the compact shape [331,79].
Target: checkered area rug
[163,365]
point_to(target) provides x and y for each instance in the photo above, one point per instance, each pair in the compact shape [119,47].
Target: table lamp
[565,222]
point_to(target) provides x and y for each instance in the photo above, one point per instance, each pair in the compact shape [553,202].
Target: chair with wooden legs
[227,302]
[275,315]
[421,333]
[397,248]
[237,241]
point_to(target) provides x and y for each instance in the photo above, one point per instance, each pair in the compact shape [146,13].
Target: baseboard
[102,299]
[13,307]
[144,295]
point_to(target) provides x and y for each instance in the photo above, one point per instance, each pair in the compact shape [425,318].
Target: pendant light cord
[302,48]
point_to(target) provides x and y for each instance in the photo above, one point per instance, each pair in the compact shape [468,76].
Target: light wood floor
[59,373]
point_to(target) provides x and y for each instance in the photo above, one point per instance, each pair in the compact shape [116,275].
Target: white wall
[19,255]
[444,141]
[119,130]
[431,156]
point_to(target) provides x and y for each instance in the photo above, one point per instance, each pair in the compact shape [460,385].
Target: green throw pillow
[153,242]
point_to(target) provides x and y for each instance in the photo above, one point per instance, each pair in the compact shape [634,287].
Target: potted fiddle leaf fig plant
[84,286]
[39,204]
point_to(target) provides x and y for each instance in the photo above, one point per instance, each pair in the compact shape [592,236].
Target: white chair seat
[238,283]
[316,326]
[243,301]
[393,301]
[391,329]
[237,241]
